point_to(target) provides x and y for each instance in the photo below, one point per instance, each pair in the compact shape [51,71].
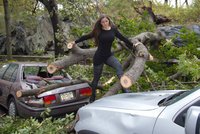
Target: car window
[14,76]
[3,69]
[30,70]
[180,119]
[11,73]
[42,72]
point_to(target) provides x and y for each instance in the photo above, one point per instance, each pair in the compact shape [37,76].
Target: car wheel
[12,109]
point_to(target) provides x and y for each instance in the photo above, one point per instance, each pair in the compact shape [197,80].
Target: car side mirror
[192,122]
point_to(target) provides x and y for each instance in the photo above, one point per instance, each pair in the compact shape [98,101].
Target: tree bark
[114,89]
[78,54]
[52,8]
[130,77]
[176,3]
[157,19]
[8,33]
[186,2]
[175,76]
[133,61]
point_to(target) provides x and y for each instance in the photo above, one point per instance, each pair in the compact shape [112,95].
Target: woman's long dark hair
[98,28]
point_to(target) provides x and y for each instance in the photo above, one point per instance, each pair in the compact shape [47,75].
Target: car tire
[12,108]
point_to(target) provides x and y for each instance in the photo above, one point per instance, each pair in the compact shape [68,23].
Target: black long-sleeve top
[106,38]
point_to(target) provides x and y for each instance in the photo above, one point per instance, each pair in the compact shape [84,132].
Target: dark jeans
[97,70]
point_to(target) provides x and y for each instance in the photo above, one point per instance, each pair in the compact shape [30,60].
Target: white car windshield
[176,97]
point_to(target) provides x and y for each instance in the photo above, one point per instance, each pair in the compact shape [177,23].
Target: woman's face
[105,23]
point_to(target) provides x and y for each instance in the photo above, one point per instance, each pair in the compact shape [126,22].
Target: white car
[154,112]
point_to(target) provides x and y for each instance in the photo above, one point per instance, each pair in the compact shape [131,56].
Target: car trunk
[58,96]
[69,93]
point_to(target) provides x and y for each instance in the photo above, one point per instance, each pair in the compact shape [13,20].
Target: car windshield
[176,97]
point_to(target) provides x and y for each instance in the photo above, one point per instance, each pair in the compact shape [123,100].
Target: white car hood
[134,101]
[126,113]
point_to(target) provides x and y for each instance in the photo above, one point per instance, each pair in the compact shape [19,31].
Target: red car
[29,76]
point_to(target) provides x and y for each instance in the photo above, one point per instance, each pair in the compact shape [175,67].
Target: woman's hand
[71,45]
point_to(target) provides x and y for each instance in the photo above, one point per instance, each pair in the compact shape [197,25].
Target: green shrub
[132,27]
[10,125]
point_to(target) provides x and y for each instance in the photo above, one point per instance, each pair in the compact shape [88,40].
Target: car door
[180,118]
[192,121]
[7,81]
[172,119]
[2,71]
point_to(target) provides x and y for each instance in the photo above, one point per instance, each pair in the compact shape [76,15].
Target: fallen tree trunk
[117,86]
[130,77]
[175,76]
[133,72]
[157,19]
[148,37]
[134,63]
[114,89]
[77,54]
[37,91]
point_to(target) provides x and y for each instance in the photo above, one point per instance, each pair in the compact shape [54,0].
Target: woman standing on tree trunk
[104,33]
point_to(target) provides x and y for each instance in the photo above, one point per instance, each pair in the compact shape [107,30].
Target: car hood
[126,113]
[134,101]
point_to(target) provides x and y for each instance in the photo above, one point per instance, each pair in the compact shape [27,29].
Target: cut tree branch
[77,54]
[130,77]
[133,62]
[37,91]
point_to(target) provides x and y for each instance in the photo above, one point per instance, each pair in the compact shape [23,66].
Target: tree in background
[70,9]
[8,32]
[52,9]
